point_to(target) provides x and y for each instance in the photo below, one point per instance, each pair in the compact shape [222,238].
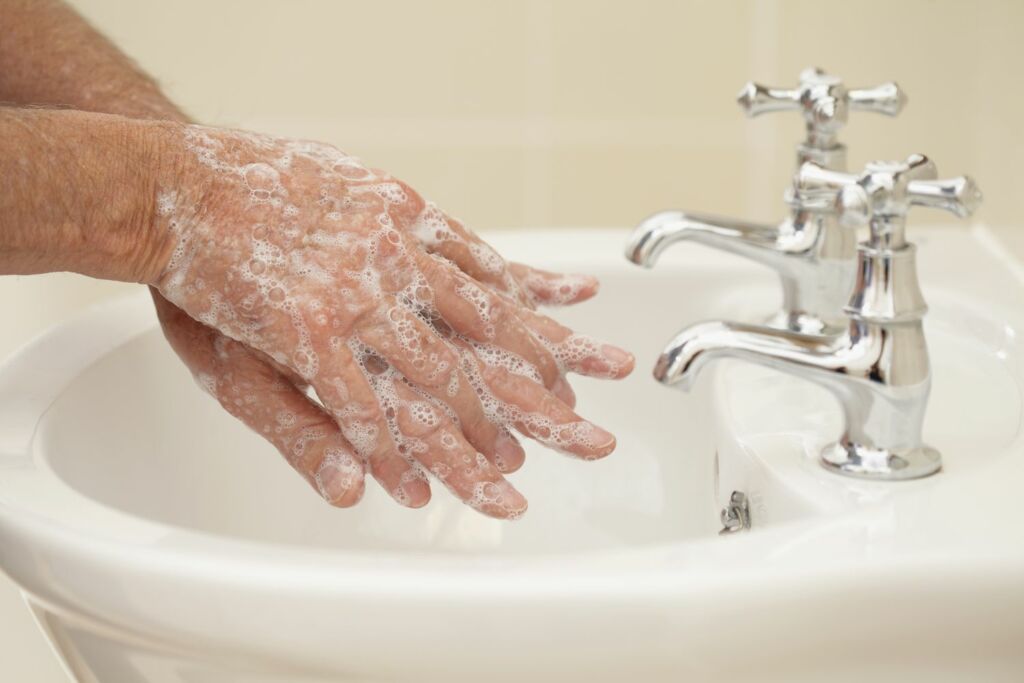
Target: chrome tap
[813,256]
[878,367]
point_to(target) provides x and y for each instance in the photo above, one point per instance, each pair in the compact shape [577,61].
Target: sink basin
[158,540]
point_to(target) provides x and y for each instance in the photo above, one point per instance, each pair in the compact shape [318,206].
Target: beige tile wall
[573,112]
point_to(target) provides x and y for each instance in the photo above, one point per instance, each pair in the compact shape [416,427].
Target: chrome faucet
[878,367]
[813,256]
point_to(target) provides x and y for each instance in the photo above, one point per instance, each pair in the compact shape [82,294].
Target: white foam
[562,290]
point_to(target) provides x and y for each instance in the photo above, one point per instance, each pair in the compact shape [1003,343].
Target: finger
[554,289]
[578,353]
[297,380]
[564,391]
[510,398]
[403,480]
[509,454]
[269,404]
[435,441]
[485,316]
[306,435]
[344,387]
[416,351]
[441,234]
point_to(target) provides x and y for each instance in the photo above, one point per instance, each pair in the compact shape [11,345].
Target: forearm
[50,55]
[80,193]
[84,200]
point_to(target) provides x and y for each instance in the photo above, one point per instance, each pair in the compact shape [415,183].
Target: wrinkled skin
[293,267]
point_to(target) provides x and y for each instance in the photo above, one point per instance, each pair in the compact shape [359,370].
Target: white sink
[158,540]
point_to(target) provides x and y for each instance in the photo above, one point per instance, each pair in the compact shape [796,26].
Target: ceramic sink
[156,539]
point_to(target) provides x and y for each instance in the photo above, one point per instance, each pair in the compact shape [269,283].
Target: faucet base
[881,464]
[804,323]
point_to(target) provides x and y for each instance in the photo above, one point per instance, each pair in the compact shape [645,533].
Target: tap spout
[811,253]
[662,229]
[800,354]
[879,374]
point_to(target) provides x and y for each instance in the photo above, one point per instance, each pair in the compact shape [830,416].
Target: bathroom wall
[584,112]
[563,112]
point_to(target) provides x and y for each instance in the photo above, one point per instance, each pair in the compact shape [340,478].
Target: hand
[305,268]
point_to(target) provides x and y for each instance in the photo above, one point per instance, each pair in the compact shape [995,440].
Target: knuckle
[412,196]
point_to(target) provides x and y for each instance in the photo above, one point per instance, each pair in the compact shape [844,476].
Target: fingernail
[588,282]
[562,389]
[508,453]
[417,492]
[340,481]
[498,499]
[616,355]
[600,440]
[516,504]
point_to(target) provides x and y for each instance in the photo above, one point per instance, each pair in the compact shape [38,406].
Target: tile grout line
[418,132]
[761,200]
[537,194]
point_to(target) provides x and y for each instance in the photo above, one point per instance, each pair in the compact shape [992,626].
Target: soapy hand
[300,268]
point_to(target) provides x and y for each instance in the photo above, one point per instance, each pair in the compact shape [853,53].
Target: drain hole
[736,515]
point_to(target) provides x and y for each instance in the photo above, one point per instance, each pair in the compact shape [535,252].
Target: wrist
[81,193]
[123,237]
[150,239]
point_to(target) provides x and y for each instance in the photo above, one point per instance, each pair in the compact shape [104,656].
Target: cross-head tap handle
[824,101]
[882,195]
